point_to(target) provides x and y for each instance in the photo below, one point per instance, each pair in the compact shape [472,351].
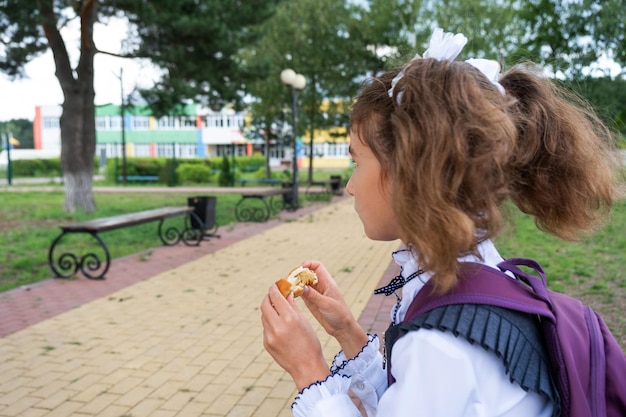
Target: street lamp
[296,83]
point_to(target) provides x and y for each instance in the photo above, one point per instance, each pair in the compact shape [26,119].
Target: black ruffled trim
[335,369]
[514,337]
[312,385]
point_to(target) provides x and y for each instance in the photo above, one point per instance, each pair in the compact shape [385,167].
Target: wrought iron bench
[316,190]
[139,178]
[324,189]
[259,205]
[67,264]
[269,181]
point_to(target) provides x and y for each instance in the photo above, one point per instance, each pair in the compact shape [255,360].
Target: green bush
[227,176]
[165,168]
[260,173]
[41,168]
[136,166]
[36,167]
[193,173]
[250,163]
[244,163]
[145,166]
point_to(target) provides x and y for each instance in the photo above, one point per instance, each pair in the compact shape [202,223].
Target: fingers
[316,266]
[275,303]
[324,279]
[310,295]
[277,316]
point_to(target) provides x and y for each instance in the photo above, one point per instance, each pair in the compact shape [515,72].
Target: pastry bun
[296,280]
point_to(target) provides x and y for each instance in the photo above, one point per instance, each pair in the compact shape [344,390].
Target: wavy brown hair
[456,149]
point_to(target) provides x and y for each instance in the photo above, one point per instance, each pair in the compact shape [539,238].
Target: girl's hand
[290,339]
[331,311]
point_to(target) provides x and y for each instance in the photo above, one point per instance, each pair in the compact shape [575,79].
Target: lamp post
[123,116]
[8,138]
[296,83]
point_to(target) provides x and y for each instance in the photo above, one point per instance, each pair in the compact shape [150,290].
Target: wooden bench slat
[114,222]
[93,266]
[273,181]
[265,193]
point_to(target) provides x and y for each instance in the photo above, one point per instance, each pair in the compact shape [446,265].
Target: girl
[438,147]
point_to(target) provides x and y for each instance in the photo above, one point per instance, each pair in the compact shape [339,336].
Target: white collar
[408,261]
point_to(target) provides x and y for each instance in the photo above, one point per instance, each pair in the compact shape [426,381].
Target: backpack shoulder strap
[481,284]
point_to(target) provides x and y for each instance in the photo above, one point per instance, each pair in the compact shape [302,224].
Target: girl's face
[372,196]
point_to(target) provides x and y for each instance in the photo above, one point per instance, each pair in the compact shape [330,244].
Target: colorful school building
[194,133]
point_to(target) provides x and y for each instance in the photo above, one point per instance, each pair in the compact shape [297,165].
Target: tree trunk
[78,126]
[268,146]
[78,192]
[313,110]
[78,141]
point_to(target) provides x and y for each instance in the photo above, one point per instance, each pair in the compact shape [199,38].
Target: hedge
[167,168]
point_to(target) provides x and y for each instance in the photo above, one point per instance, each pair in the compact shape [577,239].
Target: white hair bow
[490,68]
[446,46]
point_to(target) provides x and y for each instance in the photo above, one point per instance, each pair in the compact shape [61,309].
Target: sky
[18,98]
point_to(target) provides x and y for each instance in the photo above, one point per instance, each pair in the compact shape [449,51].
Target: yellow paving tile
[179,400]
[188,341]
[146,407]
[241,411]
[99,404]
[55,400]
[273,407]
[68,408]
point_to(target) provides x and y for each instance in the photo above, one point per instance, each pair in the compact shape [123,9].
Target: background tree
[386,28]
[314,38]
[266,104]
[193,41]
[569,37]
[493,28]
[335,44]
[20,129]
[606,20]
[196,44]
[608,97]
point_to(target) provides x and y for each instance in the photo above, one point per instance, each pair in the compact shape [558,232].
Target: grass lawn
[592,269]
[29,223]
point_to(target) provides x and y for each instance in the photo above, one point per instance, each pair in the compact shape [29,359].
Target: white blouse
[437,374]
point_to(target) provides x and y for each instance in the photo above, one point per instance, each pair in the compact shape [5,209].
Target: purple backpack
[588,365]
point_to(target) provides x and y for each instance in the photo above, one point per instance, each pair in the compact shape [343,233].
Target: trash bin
[204,208]
[335,184]
[288,197]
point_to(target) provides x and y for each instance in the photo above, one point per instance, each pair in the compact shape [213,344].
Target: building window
[175,122]
[223,120]
[142,150]
[183,150]
[239,150]
[188,151]
[188,121]
[51,122]
[164,122]
[101,123]
[114,122]
[111,150]
[328,150]
[140,122]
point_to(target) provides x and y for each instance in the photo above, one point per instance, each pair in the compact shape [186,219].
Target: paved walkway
[175,331]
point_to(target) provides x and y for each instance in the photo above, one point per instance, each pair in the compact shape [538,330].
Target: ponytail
[562,170]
